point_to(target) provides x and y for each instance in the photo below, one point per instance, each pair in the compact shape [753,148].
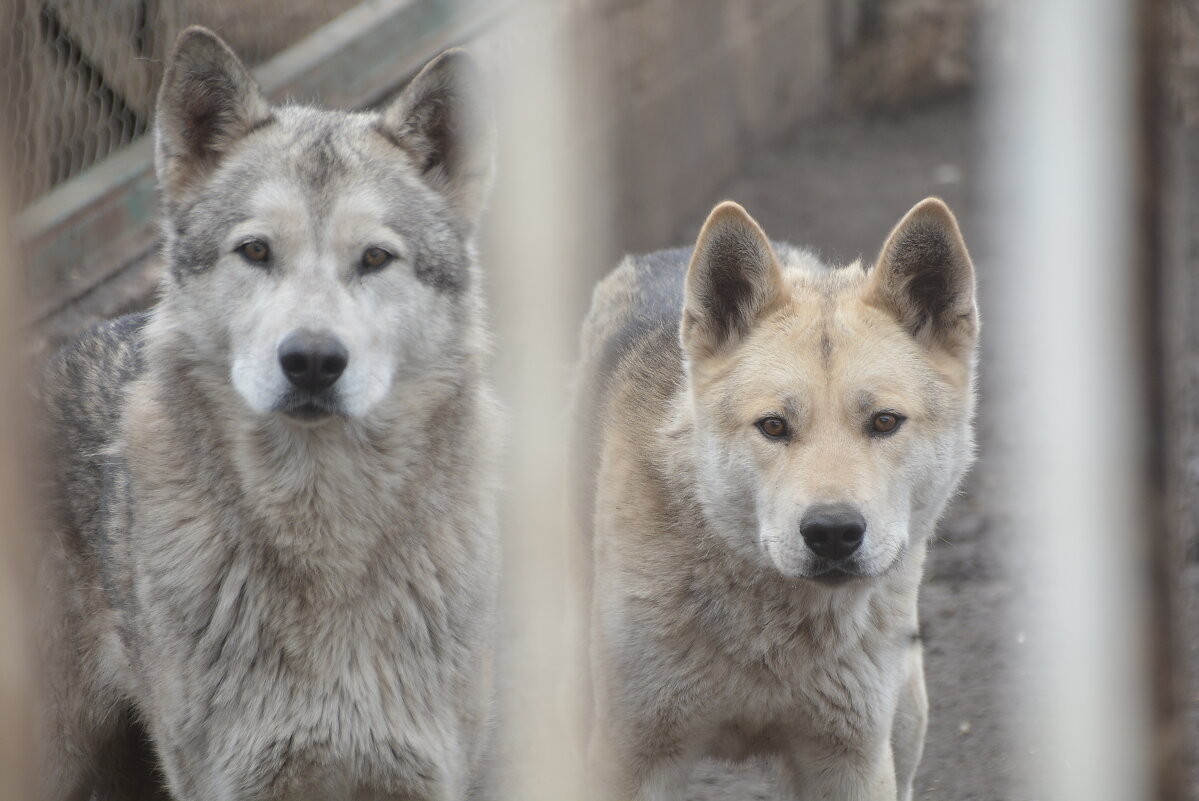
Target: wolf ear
[206,103]
[733,279]
[443,122]
[925,279]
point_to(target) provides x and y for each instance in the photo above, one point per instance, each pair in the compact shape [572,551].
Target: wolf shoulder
[83,383]
[639,304]
[81,397]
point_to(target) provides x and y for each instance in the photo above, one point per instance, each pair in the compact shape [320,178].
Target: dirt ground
[839,186]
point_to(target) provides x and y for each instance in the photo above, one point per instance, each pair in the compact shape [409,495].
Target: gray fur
[243,605]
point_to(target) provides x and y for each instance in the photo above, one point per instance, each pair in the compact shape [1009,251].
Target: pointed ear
[925,279]
[733,279]
[206,103]
[443,122]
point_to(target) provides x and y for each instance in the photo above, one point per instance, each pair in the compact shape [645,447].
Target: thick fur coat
[272,578]
[765,446]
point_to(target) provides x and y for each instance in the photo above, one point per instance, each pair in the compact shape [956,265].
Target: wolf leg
[911,721]
[107,760]
[624,767]
[821,774]
[132,767]
[83,719]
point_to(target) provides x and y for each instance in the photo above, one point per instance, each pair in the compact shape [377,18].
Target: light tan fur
[715,629]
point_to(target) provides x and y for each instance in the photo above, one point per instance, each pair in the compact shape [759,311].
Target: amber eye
[255,250]
[375,258]
[885,422]
[773,427]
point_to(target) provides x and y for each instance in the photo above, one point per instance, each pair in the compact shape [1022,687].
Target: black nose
[833,531]
[312,360]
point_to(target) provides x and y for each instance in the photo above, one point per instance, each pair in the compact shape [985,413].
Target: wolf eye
[254,250]
[375,258]
[886,422]
[773,427]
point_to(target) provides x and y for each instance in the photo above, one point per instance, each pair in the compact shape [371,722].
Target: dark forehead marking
[826,348]
[828,305]
[321,161]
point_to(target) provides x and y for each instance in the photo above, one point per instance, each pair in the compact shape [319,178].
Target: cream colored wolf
[767,446]
[274,547]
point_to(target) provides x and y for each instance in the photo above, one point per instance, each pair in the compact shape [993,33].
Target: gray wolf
[765,446]
[273,560]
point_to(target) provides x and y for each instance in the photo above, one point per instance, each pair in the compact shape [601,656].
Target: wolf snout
[833,531]
[312,360]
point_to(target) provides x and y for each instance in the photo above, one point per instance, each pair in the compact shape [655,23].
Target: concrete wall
[689,89]
[693,88]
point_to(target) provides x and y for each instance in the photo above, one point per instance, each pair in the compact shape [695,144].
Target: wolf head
[318,258]
[831,410]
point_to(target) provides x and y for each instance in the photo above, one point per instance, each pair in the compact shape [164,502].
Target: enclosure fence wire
[78,78]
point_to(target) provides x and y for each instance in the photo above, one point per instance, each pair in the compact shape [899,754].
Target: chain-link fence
[78,77]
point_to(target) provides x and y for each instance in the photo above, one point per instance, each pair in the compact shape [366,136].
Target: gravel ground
[839,186]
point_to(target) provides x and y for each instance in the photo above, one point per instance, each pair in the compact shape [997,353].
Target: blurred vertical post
[16,663]
[16,700]
[538,257]
[16,675]
[1163,540]
[1076,284]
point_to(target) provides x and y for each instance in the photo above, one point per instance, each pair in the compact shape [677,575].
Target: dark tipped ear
[206,103]
[442,120]
[733,279]
[924,277]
